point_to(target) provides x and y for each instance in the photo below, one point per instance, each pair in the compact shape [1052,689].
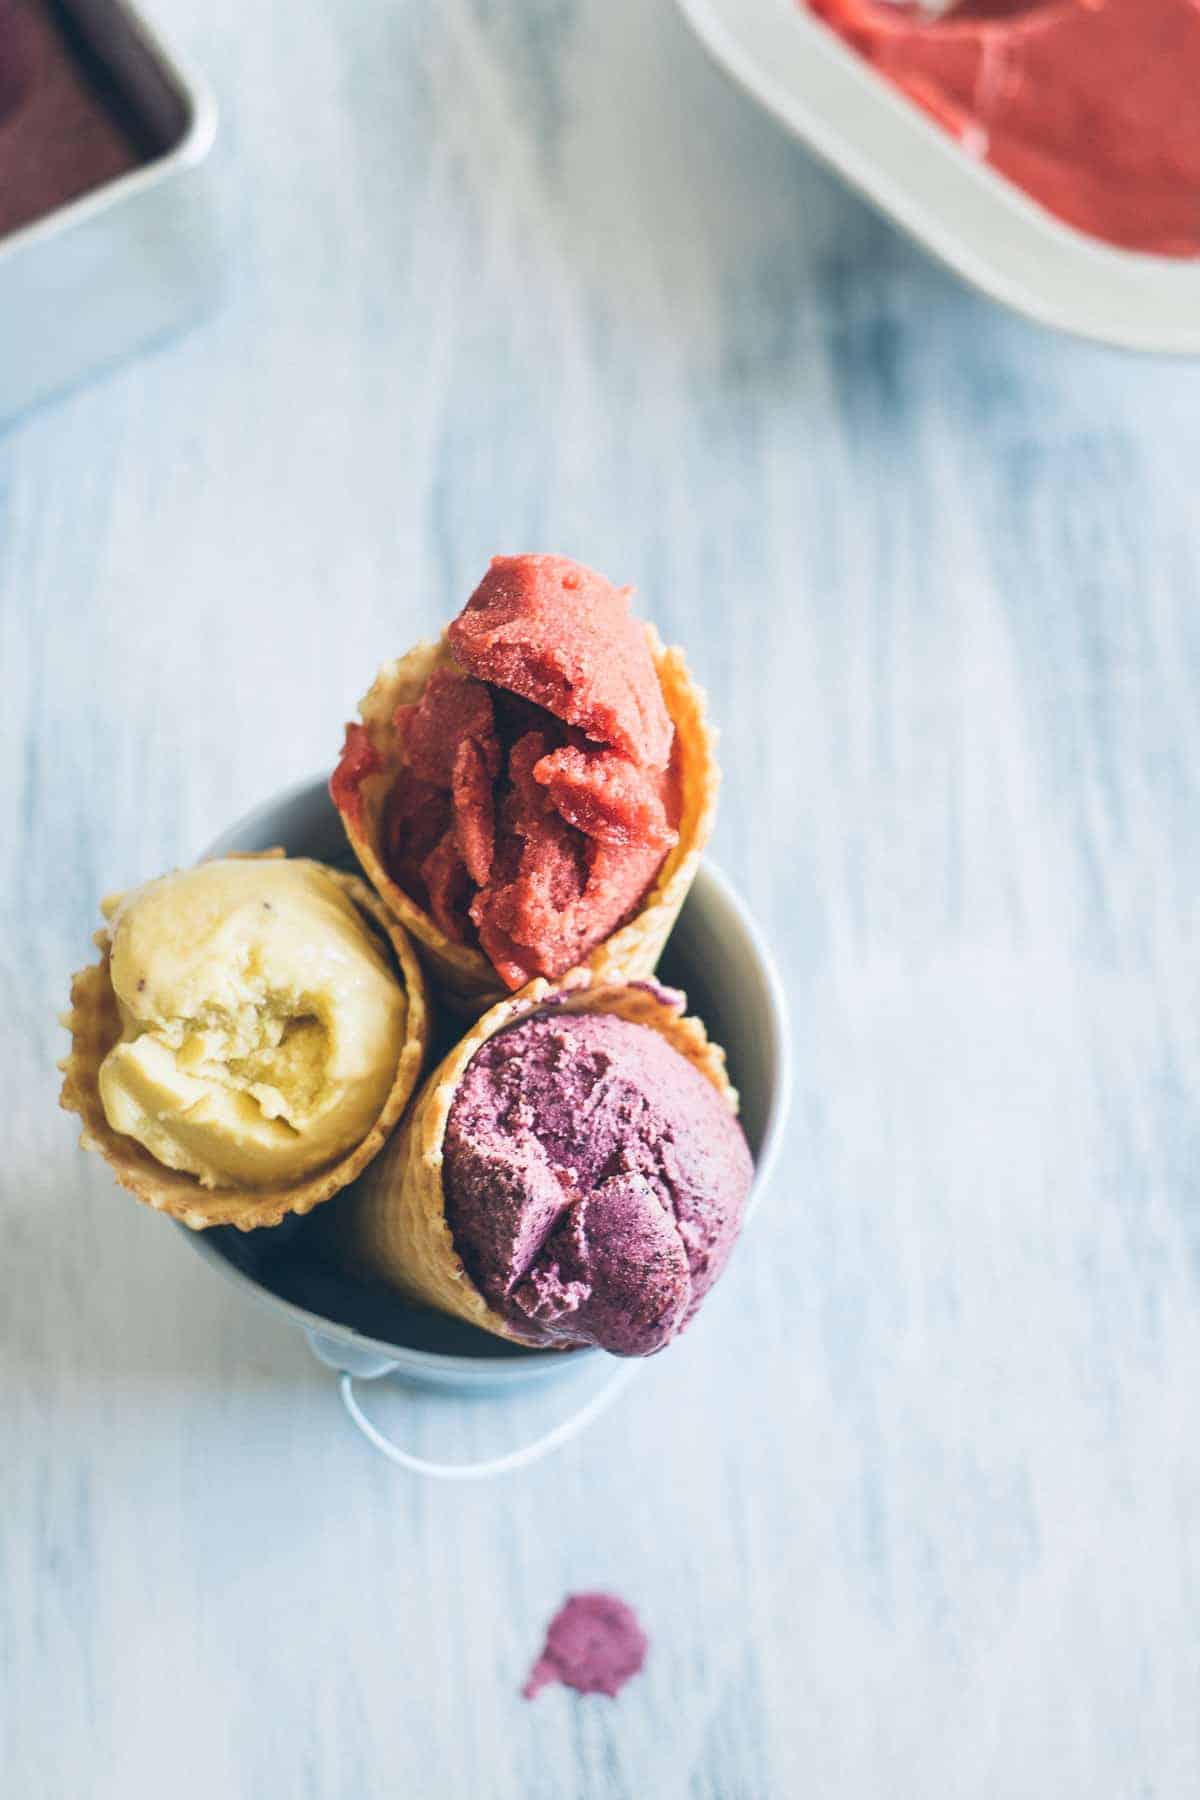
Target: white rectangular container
[128,262]
[974,219]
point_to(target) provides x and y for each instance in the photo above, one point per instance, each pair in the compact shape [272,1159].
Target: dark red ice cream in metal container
[107,236]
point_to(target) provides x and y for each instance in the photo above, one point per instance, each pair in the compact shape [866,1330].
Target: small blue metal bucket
[716,955]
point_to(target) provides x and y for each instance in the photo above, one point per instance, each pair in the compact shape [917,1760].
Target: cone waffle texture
[94,1024]
[394,1227]
[461,974]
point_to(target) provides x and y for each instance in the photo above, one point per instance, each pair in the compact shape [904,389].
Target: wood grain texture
[915,1509]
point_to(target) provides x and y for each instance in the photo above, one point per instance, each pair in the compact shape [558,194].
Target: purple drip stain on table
[594,1645]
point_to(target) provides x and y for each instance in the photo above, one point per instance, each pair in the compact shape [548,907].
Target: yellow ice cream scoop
[261,1025]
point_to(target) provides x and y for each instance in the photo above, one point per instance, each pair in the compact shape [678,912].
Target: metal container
[716,954]
[130,261]
[974,219]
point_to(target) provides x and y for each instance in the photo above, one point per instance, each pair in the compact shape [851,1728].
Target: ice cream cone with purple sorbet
[573,1173]
[532,793]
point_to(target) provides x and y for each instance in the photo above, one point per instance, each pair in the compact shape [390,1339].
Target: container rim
[973,219]
[195,144]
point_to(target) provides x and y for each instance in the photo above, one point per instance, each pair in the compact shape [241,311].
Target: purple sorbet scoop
[594,1180]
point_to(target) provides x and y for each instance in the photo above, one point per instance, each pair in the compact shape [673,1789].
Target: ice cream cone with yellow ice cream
[249,1038]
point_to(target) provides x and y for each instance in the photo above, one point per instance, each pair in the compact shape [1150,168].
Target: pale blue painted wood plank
[914,1509]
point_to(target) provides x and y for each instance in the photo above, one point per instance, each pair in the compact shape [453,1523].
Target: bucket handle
[554,1439]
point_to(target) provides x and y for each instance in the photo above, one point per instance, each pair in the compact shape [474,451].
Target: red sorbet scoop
[536,801]
[562,636]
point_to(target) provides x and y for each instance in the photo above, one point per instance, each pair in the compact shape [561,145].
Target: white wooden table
[915,1510]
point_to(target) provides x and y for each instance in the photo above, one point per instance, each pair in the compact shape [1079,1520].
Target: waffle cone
[95,1026]
[462,975]
[394,1228]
